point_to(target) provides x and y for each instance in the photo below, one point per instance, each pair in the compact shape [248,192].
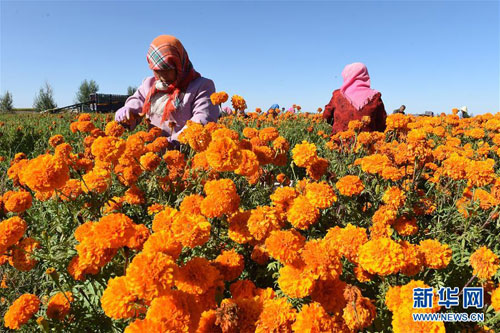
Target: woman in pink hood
[354,100]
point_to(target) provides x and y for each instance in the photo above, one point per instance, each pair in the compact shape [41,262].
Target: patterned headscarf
[167,52]
[356,87]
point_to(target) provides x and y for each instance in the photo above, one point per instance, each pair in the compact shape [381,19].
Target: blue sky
[428,55]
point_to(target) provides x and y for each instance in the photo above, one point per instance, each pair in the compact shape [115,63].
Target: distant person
[400,110]
[464,112]
[175,94]
[273,107]
[354,100]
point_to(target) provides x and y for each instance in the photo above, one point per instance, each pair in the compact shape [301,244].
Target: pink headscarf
[356,87]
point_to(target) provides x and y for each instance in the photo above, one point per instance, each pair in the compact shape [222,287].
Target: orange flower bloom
[11,231]
[218,98]
[320,195]
[150,161]
[285,245]
[197,276]
[302,213]
[230,264]
[21,311]
[313,318]
[436,255]
[114,128]
[21,255]
[277,316]
[304,154]
[381,256]
[484,262]
[495,299]
[59,305]
[350,185]
[17,202]
[56,140]
[150,275]
[238,102]
[118,302]
[262,221]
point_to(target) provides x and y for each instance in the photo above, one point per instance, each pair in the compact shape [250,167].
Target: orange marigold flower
[230,264]
[480,173]
[118,302]
[71,190]
[262,221]
[320,261]
[21,254]
[56,140]
[173,311]
[191,204]
[207,322]
[238,229]
[413,259]
[285,245]
[495,299]
[394,197]
[436,255]
[312,318]
[346,241]
[165,242]
[218,98]
[295,282]
[190,229]
[268,134]
[59,305]
[359,312]
[17,202]
[158,145]
[406,226]
[108,149]
[304,154]
[250,132]
[243,289]
[350,185]
[283,197]
[164,219]
[329,293]
[150,275]
[155,208]
[277,316]
[45,173]
[302,213]
[238,102]
[280,144]
[381,256]
[11,231]
[150,161]
[221,199]
[320,195]
[96,180]
[318,168]
[21,311]
[197,276]
[223,154]
[484,262]
[134,196]
[373,163]
[114,128]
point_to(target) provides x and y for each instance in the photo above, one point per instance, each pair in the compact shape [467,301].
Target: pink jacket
[196,106]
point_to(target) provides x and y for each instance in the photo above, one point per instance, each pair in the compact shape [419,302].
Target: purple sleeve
[135,102]
[203,110]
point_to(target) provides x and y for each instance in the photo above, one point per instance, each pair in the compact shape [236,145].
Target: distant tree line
[44,100]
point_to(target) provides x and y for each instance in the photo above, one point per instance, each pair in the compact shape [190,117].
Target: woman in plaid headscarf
[175,94]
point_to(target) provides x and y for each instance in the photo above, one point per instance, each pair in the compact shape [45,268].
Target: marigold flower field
[264,223]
